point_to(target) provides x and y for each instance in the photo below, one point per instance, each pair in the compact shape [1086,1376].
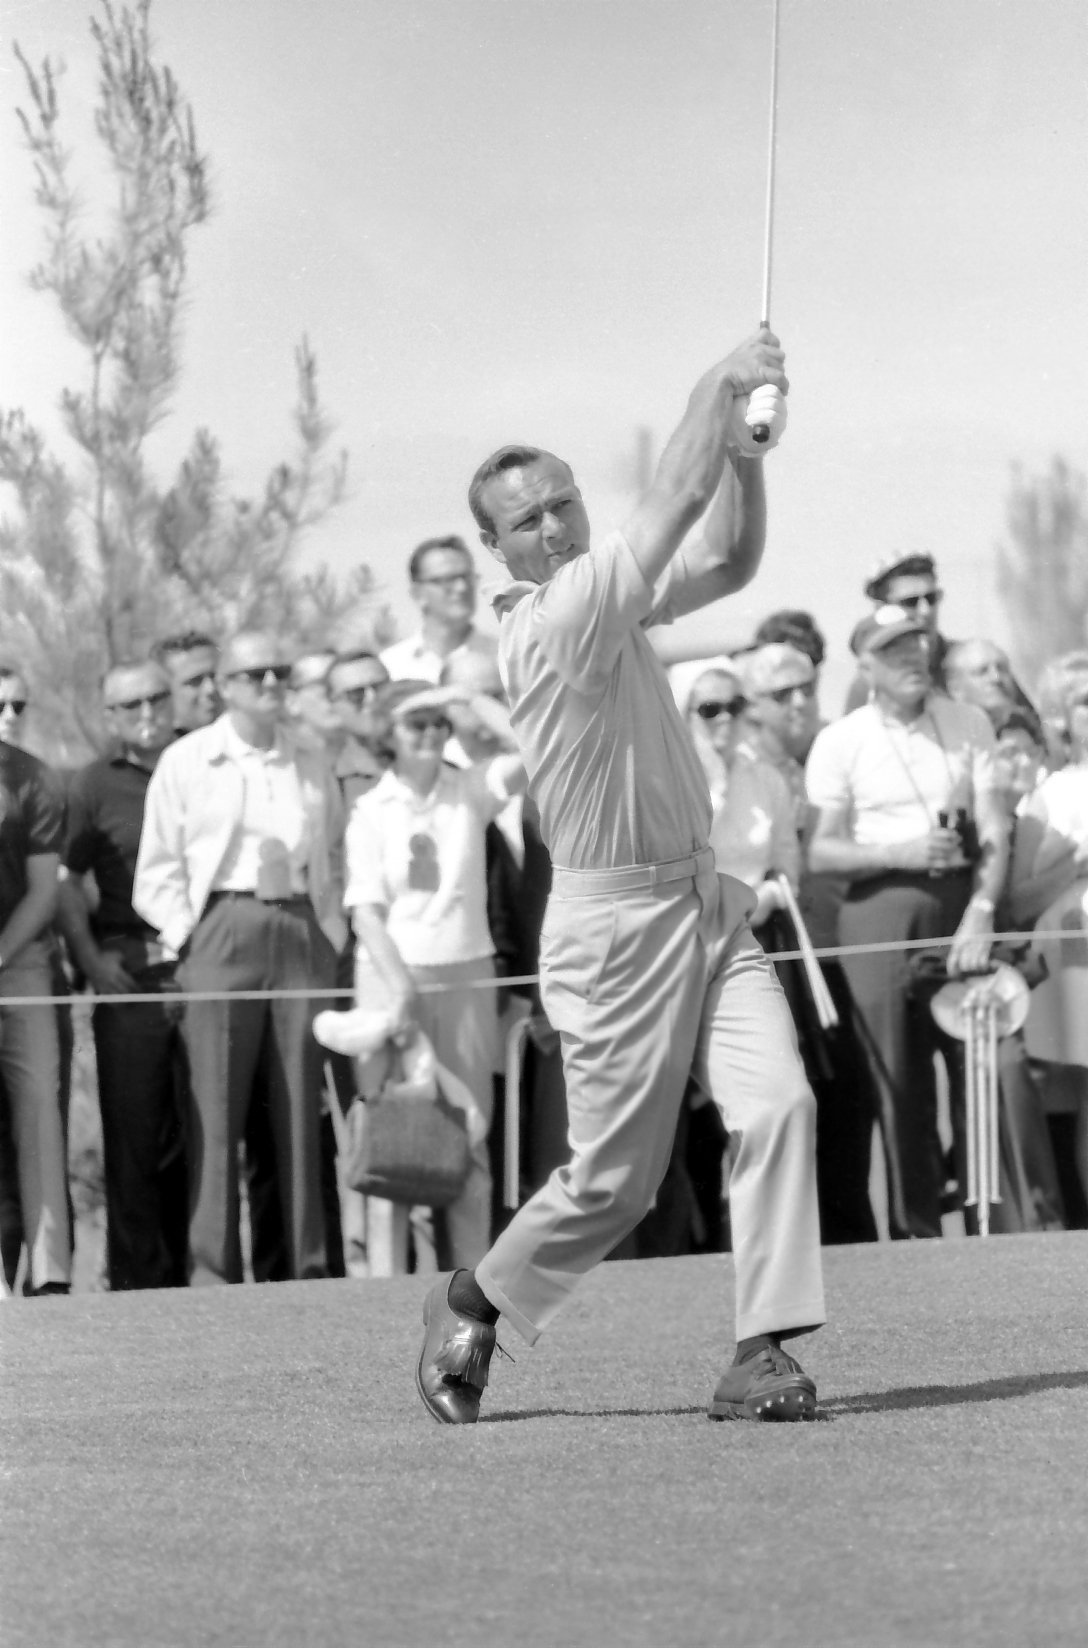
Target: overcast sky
[541,219]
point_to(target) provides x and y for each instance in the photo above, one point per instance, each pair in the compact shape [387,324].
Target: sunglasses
[358,696]
[150,700]
[715,707]
[930,598]
[782,695]
[256,676]
[14,706]
[428,723]
[201,679]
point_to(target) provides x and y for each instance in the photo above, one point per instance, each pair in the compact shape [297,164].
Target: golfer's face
[540,520]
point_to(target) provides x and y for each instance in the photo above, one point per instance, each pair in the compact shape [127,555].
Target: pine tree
[1042,571]
[96,558]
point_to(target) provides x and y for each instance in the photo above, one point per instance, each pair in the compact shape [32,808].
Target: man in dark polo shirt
[31,837]
[141,1062]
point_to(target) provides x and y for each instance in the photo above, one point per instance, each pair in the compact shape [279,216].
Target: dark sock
[747,1348]
[468,1298]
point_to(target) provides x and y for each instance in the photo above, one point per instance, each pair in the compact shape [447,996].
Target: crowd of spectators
[270,825]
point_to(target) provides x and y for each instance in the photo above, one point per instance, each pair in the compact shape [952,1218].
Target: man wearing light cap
[904,793]
[908,581]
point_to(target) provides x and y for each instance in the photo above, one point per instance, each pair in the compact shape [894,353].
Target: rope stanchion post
[979,1012]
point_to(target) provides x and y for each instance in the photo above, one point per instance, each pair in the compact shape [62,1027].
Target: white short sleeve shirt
[421,860]
[893,780]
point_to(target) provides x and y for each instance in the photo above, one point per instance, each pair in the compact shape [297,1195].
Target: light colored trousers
[460,1018]
[30,1068]
[646,983]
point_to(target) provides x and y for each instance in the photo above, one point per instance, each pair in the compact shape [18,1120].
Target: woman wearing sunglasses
[417,896]
[753,836]
[753,833]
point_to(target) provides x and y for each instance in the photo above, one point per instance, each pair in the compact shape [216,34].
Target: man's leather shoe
[770,1386]
[452,1370]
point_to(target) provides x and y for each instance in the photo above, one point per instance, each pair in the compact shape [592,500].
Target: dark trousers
[838,1073]
[900,1036]
[142,1097]
[238,1049]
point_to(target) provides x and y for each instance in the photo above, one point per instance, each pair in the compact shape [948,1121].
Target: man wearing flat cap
[908,581]
[906,810]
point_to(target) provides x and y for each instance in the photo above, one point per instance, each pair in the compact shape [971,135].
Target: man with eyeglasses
[239,872]
[142,1084]
[31,838]
[908,581]
[648,966]
[191,659]
[442,580]
[310,716]
[356,683]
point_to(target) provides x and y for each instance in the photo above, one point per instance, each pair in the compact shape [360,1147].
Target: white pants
[646,984]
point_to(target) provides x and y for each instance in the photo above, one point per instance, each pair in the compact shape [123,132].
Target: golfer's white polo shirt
[611,765]
[894,779]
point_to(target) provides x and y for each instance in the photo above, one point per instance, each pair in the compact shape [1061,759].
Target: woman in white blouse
[754,832]
[416,892]
[1050,875]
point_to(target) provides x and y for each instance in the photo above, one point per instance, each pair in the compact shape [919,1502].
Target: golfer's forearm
[687,476]
[735,530]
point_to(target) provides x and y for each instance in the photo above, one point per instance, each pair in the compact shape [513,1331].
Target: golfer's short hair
[421,552]
[507,457]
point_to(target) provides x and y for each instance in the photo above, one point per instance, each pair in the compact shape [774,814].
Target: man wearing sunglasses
[239,873]
[141,1062]
[647,962]
[442,581]
[356,683]
[31,838]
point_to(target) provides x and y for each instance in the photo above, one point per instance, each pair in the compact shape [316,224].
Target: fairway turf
[254,1466]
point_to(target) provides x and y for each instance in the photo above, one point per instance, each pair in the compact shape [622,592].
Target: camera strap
[926,715]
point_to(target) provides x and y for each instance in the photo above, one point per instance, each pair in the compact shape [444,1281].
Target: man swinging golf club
[648,967]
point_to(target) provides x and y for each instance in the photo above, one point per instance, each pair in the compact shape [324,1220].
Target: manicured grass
[253,1466]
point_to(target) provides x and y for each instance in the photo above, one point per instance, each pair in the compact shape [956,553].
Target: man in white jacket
[239,872]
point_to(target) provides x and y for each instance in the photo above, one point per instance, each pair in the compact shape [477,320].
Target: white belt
[629,878]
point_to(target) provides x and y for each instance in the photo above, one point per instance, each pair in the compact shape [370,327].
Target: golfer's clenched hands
[758,360]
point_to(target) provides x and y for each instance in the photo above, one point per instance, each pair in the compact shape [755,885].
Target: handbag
[405,1149]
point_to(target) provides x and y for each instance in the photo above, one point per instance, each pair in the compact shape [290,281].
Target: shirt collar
[226,745]
[391,787]
[507,598]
